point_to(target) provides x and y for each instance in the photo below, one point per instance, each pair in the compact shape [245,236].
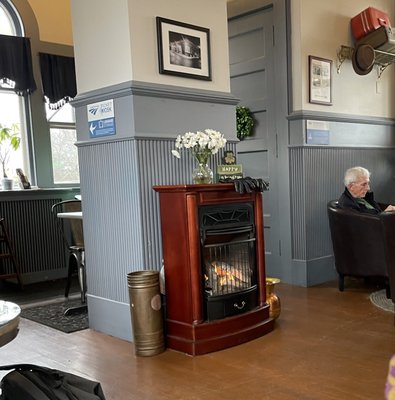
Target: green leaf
[244,122]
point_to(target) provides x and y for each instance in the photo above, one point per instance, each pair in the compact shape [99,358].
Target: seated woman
[357,194]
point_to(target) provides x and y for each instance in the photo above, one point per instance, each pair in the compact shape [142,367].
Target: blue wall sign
[317,132]
[101,118]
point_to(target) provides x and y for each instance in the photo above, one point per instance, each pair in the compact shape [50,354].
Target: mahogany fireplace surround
[186,328]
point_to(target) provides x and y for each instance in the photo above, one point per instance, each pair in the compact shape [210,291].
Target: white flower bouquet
[201,143]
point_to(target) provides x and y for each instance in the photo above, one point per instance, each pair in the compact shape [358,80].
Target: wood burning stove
[227,234]
[213,251]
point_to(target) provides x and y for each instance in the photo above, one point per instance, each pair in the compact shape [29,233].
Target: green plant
[244,122]
[9,140]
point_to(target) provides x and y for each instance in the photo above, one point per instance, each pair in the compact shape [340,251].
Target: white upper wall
[203,13]
[118,43]
[319,28]
[101,43]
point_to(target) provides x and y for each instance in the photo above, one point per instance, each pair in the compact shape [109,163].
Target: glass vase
[202,174]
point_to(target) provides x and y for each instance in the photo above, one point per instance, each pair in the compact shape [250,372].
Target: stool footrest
[8,254]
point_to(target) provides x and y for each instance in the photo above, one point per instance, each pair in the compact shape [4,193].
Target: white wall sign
[317,132]
[101,118]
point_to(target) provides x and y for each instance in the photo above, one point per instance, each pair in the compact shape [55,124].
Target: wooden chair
[6,253]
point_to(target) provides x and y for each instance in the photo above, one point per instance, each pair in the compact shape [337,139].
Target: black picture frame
[320,81]
[183,49]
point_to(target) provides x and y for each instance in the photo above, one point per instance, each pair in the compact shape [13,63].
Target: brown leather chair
[361,243]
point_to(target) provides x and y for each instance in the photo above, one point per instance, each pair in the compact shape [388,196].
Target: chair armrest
[383,206]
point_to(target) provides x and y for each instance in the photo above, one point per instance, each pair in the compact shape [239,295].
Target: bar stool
[72,231]
[6,252]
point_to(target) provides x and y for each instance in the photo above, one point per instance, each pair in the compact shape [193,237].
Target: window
[12,106]
[34,155]
[64,152]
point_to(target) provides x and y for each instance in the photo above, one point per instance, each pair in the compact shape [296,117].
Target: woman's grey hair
[354,173]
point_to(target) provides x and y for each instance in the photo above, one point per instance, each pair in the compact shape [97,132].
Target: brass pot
[272,299]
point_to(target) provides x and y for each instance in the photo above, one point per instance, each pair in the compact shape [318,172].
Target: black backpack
[33,382]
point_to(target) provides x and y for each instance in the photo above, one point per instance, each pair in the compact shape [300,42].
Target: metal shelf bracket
[382,59]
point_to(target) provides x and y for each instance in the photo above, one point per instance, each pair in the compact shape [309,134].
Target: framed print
[320,80]
[183,49]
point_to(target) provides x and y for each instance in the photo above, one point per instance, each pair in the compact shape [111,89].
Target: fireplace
[213,253]
[228,254]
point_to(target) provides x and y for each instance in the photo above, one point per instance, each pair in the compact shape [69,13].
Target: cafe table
[9,321]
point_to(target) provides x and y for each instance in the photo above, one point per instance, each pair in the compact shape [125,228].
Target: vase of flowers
[202,145]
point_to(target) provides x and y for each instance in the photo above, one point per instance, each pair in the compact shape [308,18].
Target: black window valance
[58,79]
[16,64]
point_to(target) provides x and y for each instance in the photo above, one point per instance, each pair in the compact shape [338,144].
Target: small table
[9,321]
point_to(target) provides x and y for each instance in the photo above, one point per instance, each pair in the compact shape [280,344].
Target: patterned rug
[379,299]
[52,315]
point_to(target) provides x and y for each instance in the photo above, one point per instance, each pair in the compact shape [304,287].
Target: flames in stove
[223,278]
[229,264]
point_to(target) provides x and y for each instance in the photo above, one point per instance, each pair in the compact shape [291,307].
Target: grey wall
[121,214]
[316,176]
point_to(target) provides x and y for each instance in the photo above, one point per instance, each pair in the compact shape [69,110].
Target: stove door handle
[243,303]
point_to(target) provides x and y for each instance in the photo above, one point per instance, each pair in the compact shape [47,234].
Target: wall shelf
[381,58]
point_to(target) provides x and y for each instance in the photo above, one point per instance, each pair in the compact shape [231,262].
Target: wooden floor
[326,345]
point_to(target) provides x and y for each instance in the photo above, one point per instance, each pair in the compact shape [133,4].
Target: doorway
[254,80]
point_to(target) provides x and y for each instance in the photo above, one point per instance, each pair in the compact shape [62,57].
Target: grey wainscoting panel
[297,204]
[118,172]
[345,130]
[122,219]
[317,177]
[36,239]
[112,221]
[159,167]
[121,209]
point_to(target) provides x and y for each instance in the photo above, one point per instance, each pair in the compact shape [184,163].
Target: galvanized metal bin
[146,312]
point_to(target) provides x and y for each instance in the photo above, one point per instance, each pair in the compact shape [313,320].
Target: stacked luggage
[374,40]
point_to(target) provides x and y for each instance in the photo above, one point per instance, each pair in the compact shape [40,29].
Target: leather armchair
[363,244]
[388,223]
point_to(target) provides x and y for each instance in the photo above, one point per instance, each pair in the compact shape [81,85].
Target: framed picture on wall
[183,49]
[320,81]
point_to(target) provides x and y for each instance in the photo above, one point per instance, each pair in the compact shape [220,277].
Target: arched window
[14,109]
[12,106]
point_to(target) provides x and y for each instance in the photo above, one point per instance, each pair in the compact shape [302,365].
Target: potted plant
[10,140]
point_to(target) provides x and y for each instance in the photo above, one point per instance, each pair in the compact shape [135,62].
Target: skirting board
[312,272]
[110,317]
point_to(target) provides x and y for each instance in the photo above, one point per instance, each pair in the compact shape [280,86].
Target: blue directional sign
[317,132]
[101,118]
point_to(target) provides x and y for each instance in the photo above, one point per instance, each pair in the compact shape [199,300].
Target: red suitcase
[368,21]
